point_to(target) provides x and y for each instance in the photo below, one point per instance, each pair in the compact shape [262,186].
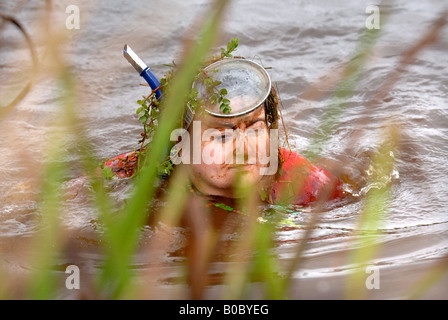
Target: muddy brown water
[301,41]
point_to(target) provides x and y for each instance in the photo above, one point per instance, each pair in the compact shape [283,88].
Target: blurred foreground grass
[122,228]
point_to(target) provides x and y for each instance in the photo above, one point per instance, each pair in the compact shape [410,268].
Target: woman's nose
[240,146]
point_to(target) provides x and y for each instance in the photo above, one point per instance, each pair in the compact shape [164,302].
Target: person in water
[240,141]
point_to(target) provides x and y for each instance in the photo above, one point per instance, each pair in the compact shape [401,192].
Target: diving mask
[247,84]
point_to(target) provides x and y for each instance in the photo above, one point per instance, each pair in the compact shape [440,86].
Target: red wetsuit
[300,182]
[123,166]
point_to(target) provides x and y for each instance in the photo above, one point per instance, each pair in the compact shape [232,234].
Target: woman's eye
[225,137]
[258,125]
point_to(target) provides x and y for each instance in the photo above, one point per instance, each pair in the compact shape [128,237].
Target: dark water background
[302,41]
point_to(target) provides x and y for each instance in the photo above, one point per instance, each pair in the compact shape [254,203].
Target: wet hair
[271,109]
[272,118]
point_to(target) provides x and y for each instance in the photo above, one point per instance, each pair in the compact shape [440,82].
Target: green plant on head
[231,46]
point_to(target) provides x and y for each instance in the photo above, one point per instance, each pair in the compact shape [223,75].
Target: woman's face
[229,147]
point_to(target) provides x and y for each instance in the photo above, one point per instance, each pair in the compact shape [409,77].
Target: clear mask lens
[246,82]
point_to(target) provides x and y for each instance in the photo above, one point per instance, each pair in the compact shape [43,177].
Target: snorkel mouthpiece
[142,69]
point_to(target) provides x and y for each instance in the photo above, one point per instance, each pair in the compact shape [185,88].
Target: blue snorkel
[142,69]
[152,80]
[155,84]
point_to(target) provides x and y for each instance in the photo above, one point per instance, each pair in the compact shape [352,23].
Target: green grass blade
[124,233]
